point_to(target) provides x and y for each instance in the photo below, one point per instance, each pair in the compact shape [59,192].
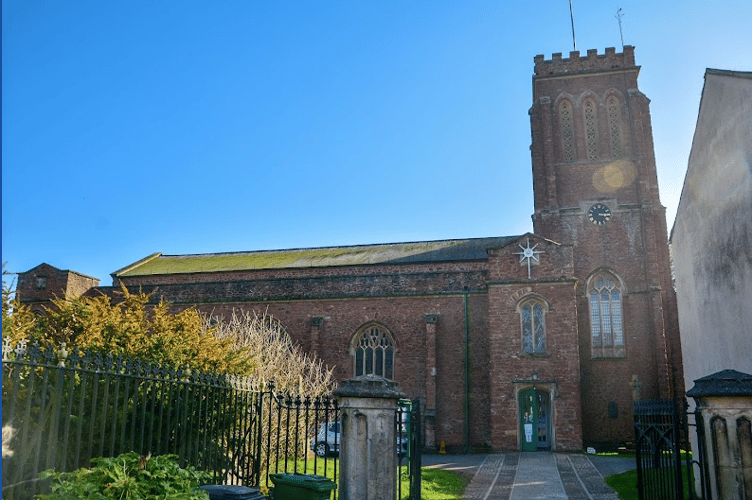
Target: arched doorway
[535,419]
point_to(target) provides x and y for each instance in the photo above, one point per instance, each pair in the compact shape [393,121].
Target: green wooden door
[542,430]
[535,420]
[529,420]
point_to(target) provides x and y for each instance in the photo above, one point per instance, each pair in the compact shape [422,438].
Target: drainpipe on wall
[467,378]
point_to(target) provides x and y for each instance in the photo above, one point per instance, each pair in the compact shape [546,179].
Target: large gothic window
[567,131]
[373,352]
[533,321]
[591,130]
[614,126]
[606,325]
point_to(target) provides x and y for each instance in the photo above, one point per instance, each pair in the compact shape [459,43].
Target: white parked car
[327,440]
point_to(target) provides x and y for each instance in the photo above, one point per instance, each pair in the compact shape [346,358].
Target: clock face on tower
[599,214]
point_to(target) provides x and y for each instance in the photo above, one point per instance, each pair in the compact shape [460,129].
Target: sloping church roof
[392,253]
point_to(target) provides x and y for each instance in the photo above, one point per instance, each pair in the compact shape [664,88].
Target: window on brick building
[606,325]
[533,321]
[567,131]
[373,352]
[591,130]
[614,126]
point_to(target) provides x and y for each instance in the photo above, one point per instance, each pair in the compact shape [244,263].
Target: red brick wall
[633,244]
[399,298]
[511,370]
[404,317]
[57,283]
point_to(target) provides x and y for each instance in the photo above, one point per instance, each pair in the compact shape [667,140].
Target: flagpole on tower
[571,16]
[618,16]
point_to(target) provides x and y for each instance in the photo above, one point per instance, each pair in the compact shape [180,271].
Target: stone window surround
[616,348]
[380,339]
[533,300]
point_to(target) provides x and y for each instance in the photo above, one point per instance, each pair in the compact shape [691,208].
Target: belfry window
[533,321]
[373,352]
[614,126]
[591,133]
[567,131]
[606,324]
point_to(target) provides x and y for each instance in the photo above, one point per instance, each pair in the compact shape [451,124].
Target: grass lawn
[626,484]
[436,484]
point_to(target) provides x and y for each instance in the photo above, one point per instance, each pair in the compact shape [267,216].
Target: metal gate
[660,438]
[409,432]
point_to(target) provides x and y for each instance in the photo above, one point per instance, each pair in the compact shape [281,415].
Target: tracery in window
[373,352]
[591,134]
[567,131]
[614,126]
[606,323]
[533,322]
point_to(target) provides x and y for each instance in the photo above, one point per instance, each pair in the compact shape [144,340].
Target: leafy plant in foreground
[129,477]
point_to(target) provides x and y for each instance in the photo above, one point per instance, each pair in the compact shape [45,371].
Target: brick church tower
[596,188]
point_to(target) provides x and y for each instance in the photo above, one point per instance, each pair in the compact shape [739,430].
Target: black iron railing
[664,460]
[69,407]
[300,435]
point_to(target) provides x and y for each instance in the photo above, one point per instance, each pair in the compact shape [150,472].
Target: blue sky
[190,127]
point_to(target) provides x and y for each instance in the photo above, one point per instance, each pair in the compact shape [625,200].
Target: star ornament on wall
[529,254]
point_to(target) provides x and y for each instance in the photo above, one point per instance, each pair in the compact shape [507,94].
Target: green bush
[129,477]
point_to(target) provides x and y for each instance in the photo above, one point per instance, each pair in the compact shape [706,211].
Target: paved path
[537,476]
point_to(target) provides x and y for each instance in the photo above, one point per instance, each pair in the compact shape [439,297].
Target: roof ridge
[136,264]
[301,249]
[450,250]
[729,72]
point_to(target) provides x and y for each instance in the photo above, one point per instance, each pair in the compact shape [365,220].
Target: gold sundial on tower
[529,254]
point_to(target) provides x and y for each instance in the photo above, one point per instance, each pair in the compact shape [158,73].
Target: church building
[534,341]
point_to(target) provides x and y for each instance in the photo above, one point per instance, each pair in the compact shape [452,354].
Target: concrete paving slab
[534,476]
[586,483]
[485,478]
[537,478]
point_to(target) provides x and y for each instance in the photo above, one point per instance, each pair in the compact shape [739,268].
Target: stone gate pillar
[724,403]
[368,451]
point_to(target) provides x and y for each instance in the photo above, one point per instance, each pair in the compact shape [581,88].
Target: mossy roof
[393,253]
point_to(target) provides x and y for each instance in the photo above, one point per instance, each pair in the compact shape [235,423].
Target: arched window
[533,321]
[614,126]
[373,352]
[606,326]
[591,131]
[567,131]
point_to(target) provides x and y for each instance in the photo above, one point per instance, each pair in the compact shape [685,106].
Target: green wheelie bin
[301,487]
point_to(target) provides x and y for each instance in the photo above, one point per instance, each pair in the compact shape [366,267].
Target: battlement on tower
[592,62]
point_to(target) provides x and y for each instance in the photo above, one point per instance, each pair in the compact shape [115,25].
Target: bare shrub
[273,355]
[300,379]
